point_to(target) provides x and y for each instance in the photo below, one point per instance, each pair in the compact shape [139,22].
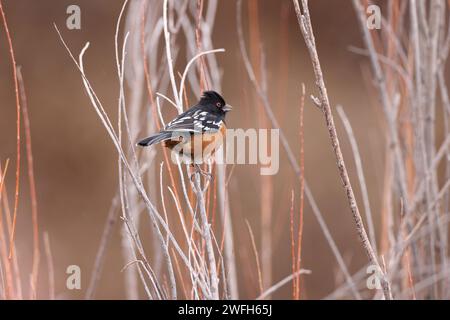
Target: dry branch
[292,160]
[16,89]
[32,184]
[304,21]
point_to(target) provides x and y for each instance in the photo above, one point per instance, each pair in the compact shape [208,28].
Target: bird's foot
[204,173]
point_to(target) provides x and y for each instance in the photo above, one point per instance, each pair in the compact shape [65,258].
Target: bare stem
[304,21]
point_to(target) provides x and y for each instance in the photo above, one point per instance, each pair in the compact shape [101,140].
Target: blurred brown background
[76,164]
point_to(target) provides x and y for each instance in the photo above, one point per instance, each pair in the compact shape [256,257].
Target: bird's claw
[204,173]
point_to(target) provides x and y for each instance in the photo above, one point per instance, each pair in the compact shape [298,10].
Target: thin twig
[302,192]
[255,251]
[304,21]
[290,154]
[113,215]
[32,183]
[50,267]
[9,290]
[16,89]
[291,215]
[360,172]
[206,233]
[169,59]
[281,283]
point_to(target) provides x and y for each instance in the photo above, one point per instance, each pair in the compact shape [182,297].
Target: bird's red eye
[218,105]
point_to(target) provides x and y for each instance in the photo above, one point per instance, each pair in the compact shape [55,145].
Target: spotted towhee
[196,133]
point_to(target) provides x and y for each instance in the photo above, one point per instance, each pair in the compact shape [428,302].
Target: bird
[196,133]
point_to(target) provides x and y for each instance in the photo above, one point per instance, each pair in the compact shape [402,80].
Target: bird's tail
[162,136]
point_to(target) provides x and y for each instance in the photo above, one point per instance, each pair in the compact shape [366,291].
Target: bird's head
[215,102]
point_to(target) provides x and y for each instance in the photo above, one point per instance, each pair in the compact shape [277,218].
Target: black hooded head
[213,100]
